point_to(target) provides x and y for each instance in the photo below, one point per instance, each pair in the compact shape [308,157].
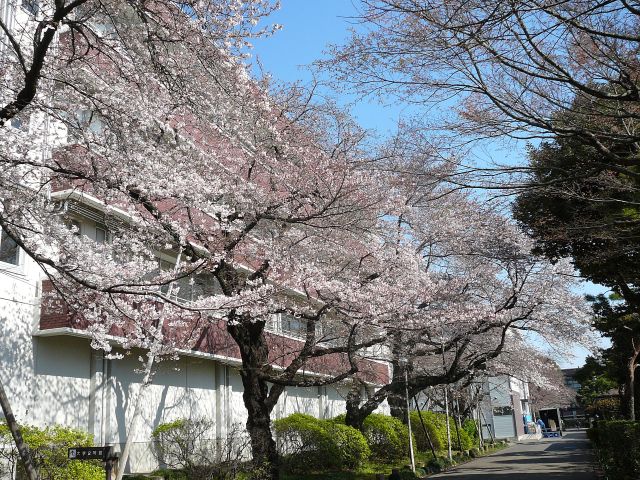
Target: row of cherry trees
[563,75]
[265,201]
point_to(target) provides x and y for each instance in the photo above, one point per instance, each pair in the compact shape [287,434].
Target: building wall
[54,378]
[58,379]
[504,407]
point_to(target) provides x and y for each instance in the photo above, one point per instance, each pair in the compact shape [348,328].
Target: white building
[53,376]
[504,409]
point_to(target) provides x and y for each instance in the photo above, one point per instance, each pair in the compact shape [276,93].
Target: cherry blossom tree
[261,197]
[474,290]
[163,124]
[259,202]
[513,69]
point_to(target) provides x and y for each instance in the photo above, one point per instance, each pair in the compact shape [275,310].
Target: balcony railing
[213,339]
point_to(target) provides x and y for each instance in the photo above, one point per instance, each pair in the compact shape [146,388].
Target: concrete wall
[56,378]
[19,316]
[503,406]
[59,379]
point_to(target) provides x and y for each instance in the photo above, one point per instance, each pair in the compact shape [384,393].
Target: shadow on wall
[47,379]
[302,400]
[184,388]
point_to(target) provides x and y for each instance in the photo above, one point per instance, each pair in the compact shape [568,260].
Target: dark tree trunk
[14,428]
[396,399]
[355,416]
[255,355]
[357,412]
[631,383]
[397,406]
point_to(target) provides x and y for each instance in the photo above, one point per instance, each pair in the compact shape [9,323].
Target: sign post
[95,453]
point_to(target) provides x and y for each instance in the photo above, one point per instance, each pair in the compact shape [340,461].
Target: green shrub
[307,443]
[617,445]
[353,449]
[471,427]
[168,474]
[408,475]
[49,450]
[436,465]
[342,418]
[466,441]
[387,436]
[184,444]
[436,425]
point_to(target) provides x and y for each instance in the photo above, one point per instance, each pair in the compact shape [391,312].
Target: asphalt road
[566,458]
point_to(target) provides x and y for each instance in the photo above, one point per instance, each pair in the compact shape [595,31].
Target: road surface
[566,458]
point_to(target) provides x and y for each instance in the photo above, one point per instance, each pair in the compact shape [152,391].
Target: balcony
[213,340]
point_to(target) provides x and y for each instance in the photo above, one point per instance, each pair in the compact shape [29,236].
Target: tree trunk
[456,422]
[357,413]
[255,355]
[397,407]
[354,417]
[397,402]
[146,380]
[631,381]
[124,456]
[631,388]
[14,428]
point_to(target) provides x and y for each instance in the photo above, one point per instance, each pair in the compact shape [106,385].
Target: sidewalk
[566,458]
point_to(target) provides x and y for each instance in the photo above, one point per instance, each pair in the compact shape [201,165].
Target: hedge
[387,436]
[306,442]
[436,425]
[471,427]
[49,450]
[467,441]
[617,445]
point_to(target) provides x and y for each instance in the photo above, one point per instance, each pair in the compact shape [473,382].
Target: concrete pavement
[566,458]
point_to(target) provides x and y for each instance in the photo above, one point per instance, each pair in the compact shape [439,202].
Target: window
[9,252]
[191,288]
[30,6]
[507,410]
[90,120]
[74,225]
[17,123]
[296,327]
[93,230]
[101,235]
[84,121]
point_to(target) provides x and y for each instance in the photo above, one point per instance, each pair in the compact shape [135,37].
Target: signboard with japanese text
[89,453]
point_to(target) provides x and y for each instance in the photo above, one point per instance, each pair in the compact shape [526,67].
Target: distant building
[573,410]
[505,410]
[570,379]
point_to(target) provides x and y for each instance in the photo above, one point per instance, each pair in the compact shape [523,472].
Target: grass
[368,471]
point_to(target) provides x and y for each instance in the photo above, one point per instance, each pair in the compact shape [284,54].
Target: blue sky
[308,27]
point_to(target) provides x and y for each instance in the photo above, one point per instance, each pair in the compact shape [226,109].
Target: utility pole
[403,362]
